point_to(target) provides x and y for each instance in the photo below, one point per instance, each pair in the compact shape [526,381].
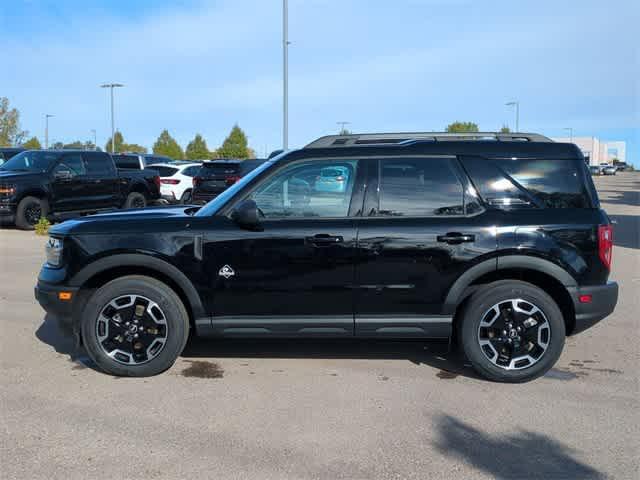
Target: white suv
[176,180]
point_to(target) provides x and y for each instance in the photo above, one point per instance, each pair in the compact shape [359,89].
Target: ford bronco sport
[496,239]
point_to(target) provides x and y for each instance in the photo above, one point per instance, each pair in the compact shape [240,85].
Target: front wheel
[512,331]
[29,212]
[134,326]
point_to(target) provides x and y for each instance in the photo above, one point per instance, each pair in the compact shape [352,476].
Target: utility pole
[342,124]
[516,104]
[285,75]
[111,86]
[95,141]
[570,130]
[47,116]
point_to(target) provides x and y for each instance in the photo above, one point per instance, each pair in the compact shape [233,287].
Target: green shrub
[42,227]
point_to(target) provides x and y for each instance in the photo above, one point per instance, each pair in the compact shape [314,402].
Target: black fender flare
[458,289]
[144,261]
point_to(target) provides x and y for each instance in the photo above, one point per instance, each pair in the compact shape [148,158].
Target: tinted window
[98,163]
[164,171]
[222,168]
[72,163]
[248,165]
[191,171]
[296,191]
[126,161]
[36,161]
[419,187]
[526,183]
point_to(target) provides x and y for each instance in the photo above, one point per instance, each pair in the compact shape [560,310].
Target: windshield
[214,205]
[30,161]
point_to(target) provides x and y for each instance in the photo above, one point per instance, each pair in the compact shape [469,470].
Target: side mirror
[63,175]
[246,215]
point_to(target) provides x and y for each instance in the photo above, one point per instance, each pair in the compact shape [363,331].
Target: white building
[596,151]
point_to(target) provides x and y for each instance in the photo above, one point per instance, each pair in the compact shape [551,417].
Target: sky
[404,65]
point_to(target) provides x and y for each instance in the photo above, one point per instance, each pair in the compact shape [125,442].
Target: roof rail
[353,140]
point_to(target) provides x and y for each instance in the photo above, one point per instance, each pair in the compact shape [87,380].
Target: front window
[308,189]
[30,161]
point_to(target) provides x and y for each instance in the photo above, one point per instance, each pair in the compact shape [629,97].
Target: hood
[136,220]
[7,176]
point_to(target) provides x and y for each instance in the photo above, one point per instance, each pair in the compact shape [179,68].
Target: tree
[32,144]
[166,145]
[235,145]
[505,129]
[119,142]
[10,132]
[77,145]
[462,127]
[344,131]
[197,149]
[135,148]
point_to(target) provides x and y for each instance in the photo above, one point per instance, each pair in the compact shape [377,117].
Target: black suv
[216,176]
[497,240]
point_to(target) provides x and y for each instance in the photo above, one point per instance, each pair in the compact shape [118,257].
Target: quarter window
[419,187]
[301,190]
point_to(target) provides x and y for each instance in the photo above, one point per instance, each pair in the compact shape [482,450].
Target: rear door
[104,180]
[295,276]
[419,234]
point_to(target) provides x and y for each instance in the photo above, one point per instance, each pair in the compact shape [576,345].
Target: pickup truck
[60,184]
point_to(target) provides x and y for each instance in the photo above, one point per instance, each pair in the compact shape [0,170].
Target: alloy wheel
[131,329]
[514,334]
[32,213]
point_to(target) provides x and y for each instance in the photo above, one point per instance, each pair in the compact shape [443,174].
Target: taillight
[196,181]
[605,244]
[233,179]
[169,181]
[156,180]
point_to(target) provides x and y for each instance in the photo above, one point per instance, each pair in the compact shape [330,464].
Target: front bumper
[603,302]
[7,212]
[48,296]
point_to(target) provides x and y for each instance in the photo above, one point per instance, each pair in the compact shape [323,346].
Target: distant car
[609,170]
[332,180]
[138,161]
[595,170]
[176,180]
[218,175]
[7,152]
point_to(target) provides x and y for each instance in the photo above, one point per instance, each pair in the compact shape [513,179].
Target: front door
[416,238]
[295,276]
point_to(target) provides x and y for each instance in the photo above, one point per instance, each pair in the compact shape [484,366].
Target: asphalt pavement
[320,409]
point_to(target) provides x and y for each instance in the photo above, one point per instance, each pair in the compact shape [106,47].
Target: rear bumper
[603,301]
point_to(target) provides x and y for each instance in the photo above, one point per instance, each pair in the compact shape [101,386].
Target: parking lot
[320,409]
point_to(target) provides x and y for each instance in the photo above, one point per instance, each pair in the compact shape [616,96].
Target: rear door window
[529,183]
[419,187]
[127,161]
[98,163]
[164,171]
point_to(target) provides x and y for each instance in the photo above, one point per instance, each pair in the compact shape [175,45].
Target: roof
[410,137]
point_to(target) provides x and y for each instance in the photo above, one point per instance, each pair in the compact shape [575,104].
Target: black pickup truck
[60,184]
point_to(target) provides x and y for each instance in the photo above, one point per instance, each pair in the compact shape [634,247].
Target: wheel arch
[542,273]
[109,268]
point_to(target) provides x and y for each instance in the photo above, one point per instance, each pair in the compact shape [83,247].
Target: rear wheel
[135,200]
[30,210]
[186,197]
[512,331]
[134,326]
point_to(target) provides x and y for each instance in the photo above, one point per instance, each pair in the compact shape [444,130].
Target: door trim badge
[226,272]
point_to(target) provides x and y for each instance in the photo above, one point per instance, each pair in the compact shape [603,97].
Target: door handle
[454,238]
[324,240]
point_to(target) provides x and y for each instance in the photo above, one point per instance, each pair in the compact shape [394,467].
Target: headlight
[53,250]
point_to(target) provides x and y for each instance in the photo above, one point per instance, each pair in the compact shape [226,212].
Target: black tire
[135,200]
[172,308]
[29,211]
[481,303]
[186,198]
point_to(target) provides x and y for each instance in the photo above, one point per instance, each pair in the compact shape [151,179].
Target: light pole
[285,75]
[111,86]
[95,141]
[47,116]
[570,130]
[342,124]
[516,104]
